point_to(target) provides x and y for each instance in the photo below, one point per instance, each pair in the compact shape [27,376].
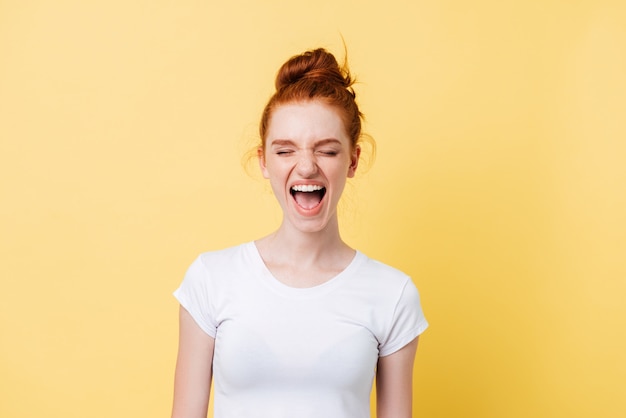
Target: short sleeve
[408,321]
[195,296]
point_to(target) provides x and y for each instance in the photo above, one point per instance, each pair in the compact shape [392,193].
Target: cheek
[271,168]
[276,174]
[339,175]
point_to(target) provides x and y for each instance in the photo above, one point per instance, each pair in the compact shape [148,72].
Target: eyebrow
[321,142]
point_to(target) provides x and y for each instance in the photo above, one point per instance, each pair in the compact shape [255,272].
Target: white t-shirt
[292,352]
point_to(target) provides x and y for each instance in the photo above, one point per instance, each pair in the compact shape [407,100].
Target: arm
[394,383]
[194,366]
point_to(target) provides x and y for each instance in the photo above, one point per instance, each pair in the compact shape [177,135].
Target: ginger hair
[315,75]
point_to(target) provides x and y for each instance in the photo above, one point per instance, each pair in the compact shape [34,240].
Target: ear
[354,161]
[261,156]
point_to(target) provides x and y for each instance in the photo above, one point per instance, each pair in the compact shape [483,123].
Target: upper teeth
[306,188]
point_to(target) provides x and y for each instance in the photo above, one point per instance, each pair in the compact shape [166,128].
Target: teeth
[306,188]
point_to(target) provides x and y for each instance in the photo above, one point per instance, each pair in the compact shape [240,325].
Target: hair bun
[315,75]
[317,65]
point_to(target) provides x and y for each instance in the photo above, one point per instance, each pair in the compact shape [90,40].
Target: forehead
[306,121]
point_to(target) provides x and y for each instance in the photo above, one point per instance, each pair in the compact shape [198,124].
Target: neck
[305,259]
[306,247]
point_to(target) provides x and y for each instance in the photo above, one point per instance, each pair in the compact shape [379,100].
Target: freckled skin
[308,144]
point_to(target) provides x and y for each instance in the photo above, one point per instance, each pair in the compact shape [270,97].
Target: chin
[309,225]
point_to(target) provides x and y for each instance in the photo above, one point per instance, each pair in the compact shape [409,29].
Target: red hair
[315,75]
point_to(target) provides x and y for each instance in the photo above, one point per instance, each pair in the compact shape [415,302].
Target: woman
[297,324]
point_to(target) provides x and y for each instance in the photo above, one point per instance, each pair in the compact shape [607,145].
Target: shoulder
[379,273]
[392,297]
[225,256]
[219,264]
[381,283]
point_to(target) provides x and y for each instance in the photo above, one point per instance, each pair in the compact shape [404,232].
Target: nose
[306,166]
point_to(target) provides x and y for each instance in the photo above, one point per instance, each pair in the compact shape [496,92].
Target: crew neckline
[303,292]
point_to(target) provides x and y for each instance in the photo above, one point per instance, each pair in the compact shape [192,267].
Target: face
[307,158]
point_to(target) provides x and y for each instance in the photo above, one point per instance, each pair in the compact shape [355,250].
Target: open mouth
[308,196]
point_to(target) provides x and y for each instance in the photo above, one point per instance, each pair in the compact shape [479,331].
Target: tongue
[308,200]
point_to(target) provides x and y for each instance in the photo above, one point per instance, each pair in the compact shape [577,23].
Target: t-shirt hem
[406,338]
[178,294]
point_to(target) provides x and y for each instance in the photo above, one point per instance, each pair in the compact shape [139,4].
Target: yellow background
[499,186]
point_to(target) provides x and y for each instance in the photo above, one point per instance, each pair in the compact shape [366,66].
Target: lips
[308,196]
